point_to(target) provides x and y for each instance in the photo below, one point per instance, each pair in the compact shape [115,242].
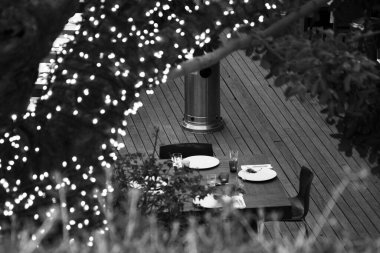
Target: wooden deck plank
[135,137]
[317,122]
[146,113]
[164,122]
[323,131]
[246,145]
[356,202]
[145,135]
[171,112]
[321,154]
[128,143]
[246,120]
[239,112]
[310,109]
[286,119]
[272,148]
[176,112]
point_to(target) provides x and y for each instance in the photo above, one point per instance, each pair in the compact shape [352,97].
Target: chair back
[186,149]
[306,178]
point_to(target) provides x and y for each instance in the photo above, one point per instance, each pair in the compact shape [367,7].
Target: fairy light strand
[125,56]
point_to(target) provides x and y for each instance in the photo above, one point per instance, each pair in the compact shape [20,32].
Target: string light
[117,60]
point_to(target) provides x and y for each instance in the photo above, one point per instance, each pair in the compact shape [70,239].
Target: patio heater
[202,101]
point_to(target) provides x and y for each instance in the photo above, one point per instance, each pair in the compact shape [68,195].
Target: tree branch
[207,60]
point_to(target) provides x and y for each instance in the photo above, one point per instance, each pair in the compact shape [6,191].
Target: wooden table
[268,195]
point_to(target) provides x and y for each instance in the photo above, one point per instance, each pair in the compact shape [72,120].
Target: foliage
[343,79]
[131,232]
[163,187]
[340,69]
[128,230]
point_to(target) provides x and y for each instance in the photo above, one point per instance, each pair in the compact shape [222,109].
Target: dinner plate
[262,175]
[209,201]
[201,162]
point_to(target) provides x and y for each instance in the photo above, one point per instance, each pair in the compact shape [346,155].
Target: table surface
[269,195]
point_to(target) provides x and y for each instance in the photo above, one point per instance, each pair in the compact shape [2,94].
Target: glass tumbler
[177,160]
[211,180]
[233,160]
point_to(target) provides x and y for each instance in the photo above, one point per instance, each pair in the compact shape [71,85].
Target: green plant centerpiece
[164,188]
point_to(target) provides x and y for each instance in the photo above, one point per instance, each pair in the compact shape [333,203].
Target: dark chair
[186,149]
[300,203]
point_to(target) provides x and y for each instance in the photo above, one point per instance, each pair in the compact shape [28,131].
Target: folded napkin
[256,167]
[238,201]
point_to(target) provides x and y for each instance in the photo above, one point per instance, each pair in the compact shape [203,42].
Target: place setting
[251,172]
[201,162]
[196,162]
[257,172]
[221,193]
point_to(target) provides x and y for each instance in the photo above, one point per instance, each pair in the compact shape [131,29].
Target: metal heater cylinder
[202,101]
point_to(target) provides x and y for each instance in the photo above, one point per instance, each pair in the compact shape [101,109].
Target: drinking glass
[177,160]
[211,180]
[223,177]
[233,160]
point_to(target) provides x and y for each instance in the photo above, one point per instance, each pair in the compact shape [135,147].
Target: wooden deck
[259,120]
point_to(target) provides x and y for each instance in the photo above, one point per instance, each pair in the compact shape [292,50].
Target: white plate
[210,202]
[262,175]
[201,162]
[207,202]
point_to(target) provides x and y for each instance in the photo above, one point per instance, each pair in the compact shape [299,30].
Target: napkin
[256,167]
[208,201]
[238,201]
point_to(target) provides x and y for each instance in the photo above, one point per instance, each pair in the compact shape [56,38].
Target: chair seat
[297,208]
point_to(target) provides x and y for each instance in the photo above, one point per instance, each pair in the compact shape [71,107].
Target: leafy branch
[244,41]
